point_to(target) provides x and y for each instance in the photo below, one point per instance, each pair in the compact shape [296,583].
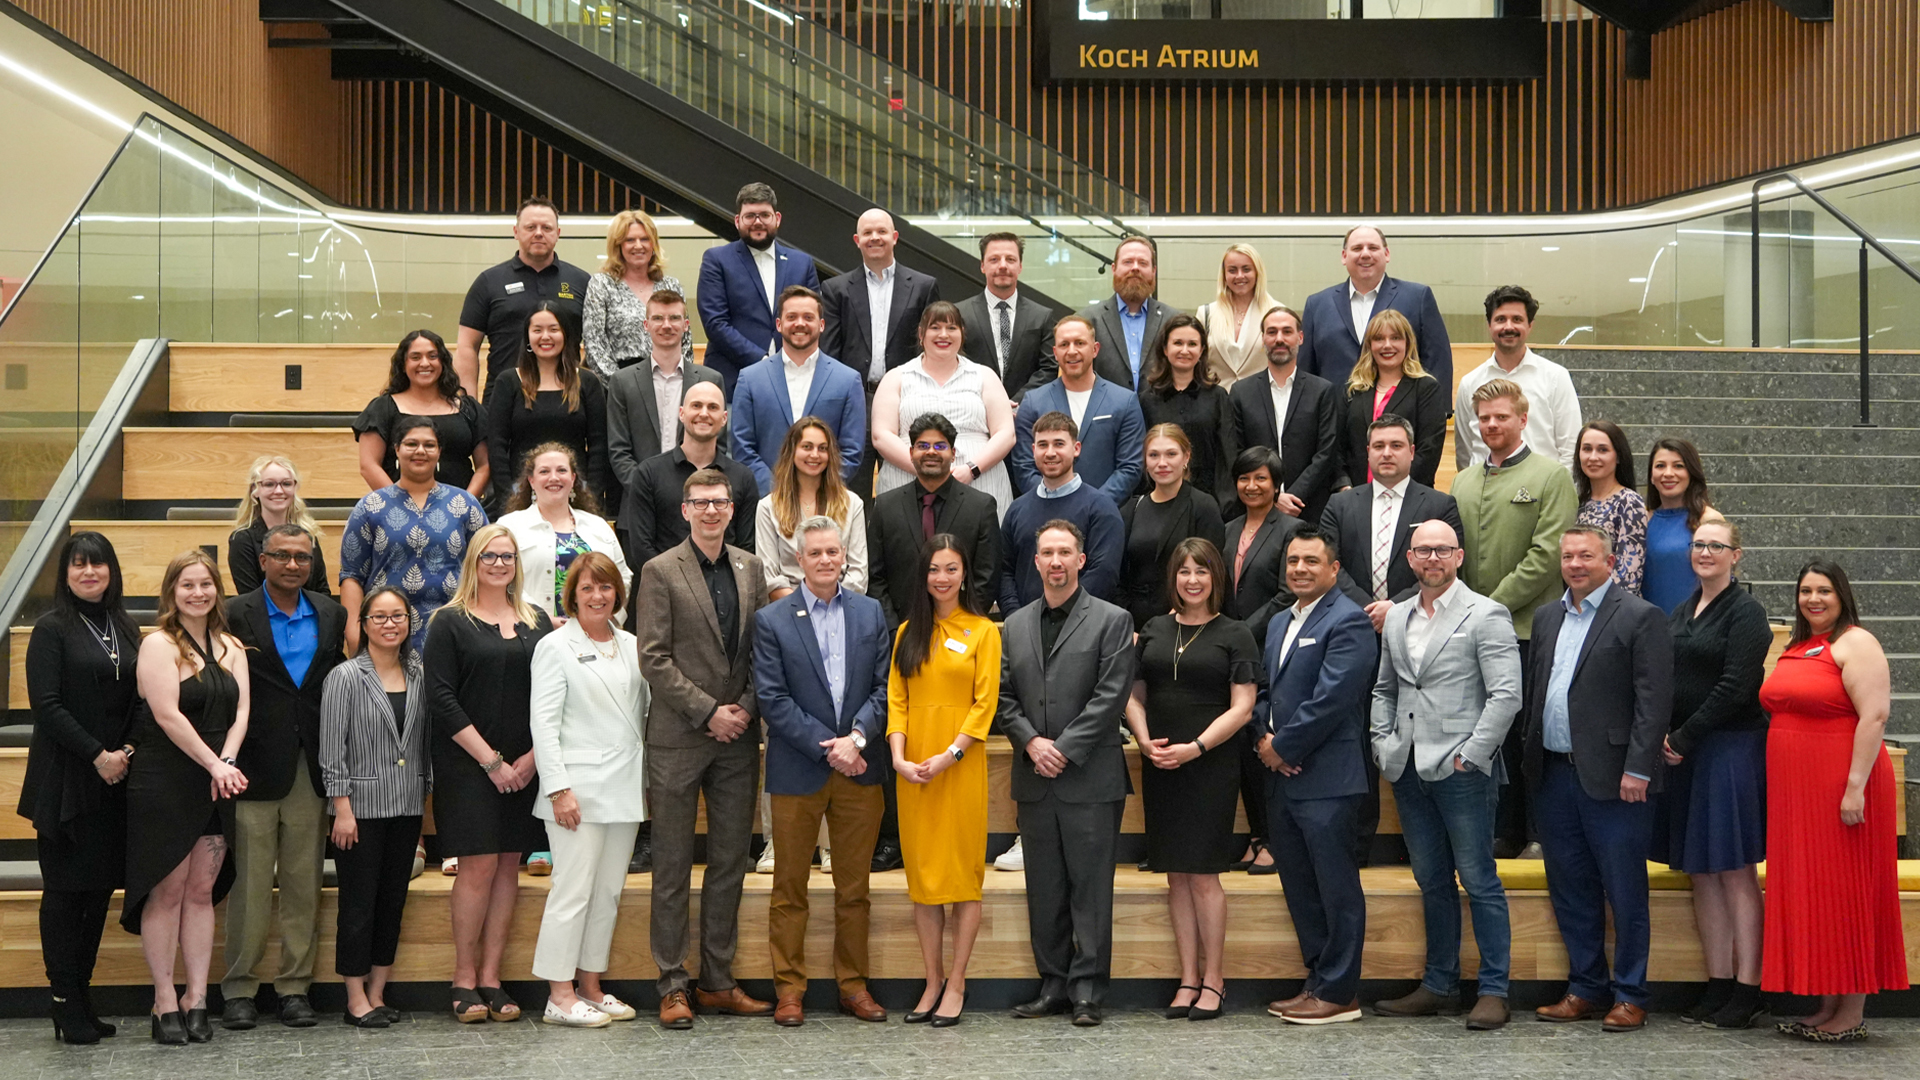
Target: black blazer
[1621,701]
[1143,588]
[894,540]
[1422,401]
[1264,576]
[1310,461]
[283,719]
[1349,518]
[848,336]
[1030,359]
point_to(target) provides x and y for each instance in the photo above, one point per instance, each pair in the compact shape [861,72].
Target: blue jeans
[1448,827]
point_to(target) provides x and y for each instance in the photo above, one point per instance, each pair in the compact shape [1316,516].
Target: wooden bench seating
[145,548]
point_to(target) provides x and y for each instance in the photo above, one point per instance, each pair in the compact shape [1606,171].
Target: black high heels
[944,1020]
[1220,1005]
[924,1016]
[170,1029]
[198,1028]
[70,1023]
[1179,1012]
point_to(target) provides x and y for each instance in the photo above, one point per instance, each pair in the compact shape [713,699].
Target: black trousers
[71,921]
[1513,816]
[1253,792]
[373,893]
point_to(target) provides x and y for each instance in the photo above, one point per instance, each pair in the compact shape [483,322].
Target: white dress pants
[589,871]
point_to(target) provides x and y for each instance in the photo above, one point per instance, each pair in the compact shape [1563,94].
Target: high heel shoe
[926,1015]
[1198,1013]
[170,1029]
[943,1020]
[1179,1012]
[106,1030]
[70,1023]
[198,1029]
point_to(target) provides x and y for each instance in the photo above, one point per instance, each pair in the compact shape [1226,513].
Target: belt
[1559,756]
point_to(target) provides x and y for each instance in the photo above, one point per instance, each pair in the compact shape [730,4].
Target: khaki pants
[852,812]
[285,839]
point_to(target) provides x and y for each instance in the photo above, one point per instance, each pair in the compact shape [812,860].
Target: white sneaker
[1013,859]
[826,860]
[765,865]
[1532,851]
[615,1008]
[582,1015]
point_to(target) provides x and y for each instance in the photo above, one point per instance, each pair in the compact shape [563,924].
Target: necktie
[1383,543]
[1004,333]
[926,514]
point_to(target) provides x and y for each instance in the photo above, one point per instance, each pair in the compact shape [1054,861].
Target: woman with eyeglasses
[410,534]
[421,383]
[273,499]
[1711,821]
[479,672]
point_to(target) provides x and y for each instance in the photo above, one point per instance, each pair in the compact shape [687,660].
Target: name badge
[956,646]
[516,286]
[587,659]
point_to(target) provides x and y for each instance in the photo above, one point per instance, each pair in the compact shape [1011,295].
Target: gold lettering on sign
[1086,56]
[1249,58]
[1092,56]
[1166,57]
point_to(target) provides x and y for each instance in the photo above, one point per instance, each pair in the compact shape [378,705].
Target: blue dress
[415,548]
[1670,578]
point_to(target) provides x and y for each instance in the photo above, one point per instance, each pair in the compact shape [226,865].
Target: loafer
[1422,1002]
[887,857]
[1624,1016]
[239,1014]
[297,1012]
[372,1018]
[392,1014]
[578,1015]
[1043,1005]
[788,1012]
[1086,1014]
[1570,1009]
[1314,1012]
[1489,1014]
[861,1006]
[675,1013]
[614,1007]
[198,1029]
[732,1001]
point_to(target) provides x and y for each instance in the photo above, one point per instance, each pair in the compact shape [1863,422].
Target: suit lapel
[780,394]
[897,306]
[650,404]
[263,633]
[752,270]
[580,643]
[746,588]
[1261,538]
[690,571]
[1600,620]
[323,623]
[803,623]
[1442,632]
[1074,618]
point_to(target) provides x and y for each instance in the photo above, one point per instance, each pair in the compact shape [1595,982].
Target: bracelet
[554,796]
[1201,745]
[495,765]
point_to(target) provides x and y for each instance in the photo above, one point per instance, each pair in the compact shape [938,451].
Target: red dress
[1833,890]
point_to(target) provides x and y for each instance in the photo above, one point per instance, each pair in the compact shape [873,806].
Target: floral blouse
[390,540]
[614,323]
[1623,515]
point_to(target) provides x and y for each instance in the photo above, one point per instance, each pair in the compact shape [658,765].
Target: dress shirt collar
[1441,602]
[1060,612]
[1129,313]
[1530,360]
[880,277]
[994,302]
[1593,601]
[302,608]
[1282,384]
[670,370]
[707,565]
[1072,485]
[819,606]
[1399,490]
[1301,611]
[1354,293]
[804,363]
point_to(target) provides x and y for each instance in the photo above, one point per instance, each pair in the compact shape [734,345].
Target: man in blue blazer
[1310,729]
[1112,431]
[740,281]
[820,657]
[763,405]
[1335,318]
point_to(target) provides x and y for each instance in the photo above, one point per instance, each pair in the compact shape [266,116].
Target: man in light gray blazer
[703,737]
[1448,689]
[1066,671]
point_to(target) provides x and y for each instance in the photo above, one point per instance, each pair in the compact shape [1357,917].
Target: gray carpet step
[1655,360]
[1718,437]
[1776,385]
[1687,411]
[1736,499]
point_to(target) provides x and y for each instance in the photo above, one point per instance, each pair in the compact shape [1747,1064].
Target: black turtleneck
[82,703]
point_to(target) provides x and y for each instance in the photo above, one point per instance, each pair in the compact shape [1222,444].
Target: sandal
[450,866]
[501,1008]
[468,1006]
[540,864]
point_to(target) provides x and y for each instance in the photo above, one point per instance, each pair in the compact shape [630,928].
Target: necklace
[1180,647]
[108,639]
[614,644]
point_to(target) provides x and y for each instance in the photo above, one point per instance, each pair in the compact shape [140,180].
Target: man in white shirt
[1295,413]
[800,381]
[740,282]
[1336,317]
[1112,431]
[1553,417]
[1006,330]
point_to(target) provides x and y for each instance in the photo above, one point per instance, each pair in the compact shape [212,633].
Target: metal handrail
[1867,240]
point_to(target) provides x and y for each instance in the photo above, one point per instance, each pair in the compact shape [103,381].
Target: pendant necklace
[1180,647]
[108,639]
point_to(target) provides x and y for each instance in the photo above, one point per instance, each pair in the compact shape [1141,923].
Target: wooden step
[169,464]
[255,378]
[145,548]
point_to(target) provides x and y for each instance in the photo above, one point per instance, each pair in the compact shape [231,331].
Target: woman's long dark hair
[397,380]
[1842,591]
[916,640]
[1159,373]
[568,363]
[413,620]
[1695,497]
[94,548]
[1622,457]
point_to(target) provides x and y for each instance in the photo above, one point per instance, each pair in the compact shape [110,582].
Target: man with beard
[740,283]
[503,297]
[1126,324]
[1006,331]
[1296,414]
[1337,316]
[801,380]
[1553,414]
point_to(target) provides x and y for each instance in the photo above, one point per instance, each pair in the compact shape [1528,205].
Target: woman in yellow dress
[941,696]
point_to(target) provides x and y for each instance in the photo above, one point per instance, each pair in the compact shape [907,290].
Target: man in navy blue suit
[1111,431]
[740,282]
[764,400]
[1310,729]
[1335,319]
[820,671]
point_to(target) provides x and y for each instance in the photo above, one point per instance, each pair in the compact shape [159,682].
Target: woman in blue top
[1677,490]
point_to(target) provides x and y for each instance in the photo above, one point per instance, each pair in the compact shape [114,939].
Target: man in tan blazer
[697,602]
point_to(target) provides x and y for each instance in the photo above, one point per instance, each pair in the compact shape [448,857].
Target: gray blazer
[682,653]
[1075,695]
[1112,362]
[384,770]
[1460,699]
[633,417]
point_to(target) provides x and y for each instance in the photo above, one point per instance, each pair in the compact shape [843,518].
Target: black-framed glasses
[502,558]
[388,618]
[1439,551]
[293,558]
[1712,547]
[932,447]
[704,505]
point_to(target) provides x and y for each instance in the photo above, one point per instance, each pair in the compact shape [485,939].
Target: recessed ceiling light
[1636,281]
[1549,249]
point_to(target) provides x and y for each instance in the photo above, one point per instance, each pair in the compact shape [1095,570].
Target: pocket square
[1461,634]
[1305,641]
[1523,496]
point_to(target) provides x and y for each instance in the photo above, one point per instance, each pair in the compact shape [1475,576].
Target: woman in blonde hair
[805,483]
[479,681]
[1388,378]
[1235,348]
[615,312]
[272,499]
[180,786]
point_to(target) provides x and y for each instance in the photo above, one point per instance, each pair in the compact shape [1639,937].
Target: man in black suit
[639,424]
[1599,698]
[1009,332]
[1295,413]
[1126,323]
[280,821]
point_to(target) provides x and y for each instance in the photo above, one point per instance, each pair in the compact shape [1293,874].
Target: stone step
[1779,360]
[1763,562]
[1803,412]
[1906,670]
[1779,385]
[1862,530]
[1874,597]
[1903,716]
[1835,470]
[1720,437]
[1736,499]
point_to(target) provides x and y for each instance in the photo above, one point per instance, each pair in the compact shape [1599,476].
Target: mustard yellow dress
[943,823]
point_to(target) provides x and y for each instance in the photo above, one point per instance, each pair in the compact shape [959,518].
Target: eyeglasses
[1711,547]
[278,485]
[759,217]
[1439,552]
[709,504]
[388,619]
[931,447]
[295,558]
[502,558]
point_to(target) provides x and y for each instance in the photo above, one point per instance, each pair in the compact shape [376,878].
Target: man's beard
[762,245]
[1133,288]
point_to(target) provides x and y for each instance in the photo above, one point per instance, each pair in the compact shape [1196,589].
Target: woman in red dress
[1833,894]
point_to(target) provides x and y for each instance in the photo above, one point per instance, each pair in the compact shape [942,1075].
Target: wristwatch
[859,741]
[235,762]
[956,752]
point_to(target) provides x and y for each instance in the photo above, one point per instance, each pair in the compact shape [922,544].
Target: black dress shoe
[198,1028]
[887,857]
[169,1029]
[239,1014]
[392,1014]
[642,862]
[297,1012]
[1041,1006]
[372,1018]
[947,1020]
[923,1017]
[1086,1014]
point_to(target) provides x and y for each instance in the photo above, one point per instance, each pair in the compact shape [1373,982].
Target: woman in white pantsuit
[588,710]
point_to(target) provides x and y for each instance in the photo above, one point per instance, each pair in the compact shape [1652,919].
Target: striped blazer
[382,768]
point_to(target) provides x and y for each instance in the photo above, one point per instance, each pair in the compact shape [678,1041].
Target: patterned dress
[390,540]
[1623,515]
[963,403]
[615,323]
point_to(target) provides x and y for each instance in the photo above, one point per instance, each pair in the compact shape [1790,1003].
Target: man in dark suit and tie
[1066,671]
[1009,332]
[1599,698]
[740,282]
[1337,317]
[1310,725]
[1127,323]
[1112,433]
[280,821]
[820,669]
[763,400]
[1295,413]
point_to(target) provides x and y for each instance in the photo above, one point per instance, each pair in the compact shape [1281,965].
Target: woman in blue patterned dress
[1608,501]
[410,535]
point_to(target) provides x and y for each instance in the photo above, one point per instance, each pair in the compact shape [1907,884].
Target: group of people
[1245,494]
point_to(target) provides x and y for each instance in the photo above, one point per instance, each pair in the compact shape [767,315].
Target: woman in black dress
[1181,388]
[550,397]
[1388,378]
[80,683]
[479,673]
[193,675]
[1256,545]
[272,500]
[1173,511]
[1192,697]
[421,384]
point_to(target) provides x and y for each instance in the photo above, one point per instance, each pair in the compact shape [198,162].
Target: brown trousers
[852,813]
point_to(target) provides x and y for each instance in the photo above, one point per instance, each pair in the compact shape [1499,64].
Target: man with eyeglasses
[650,515]
[503,297]
[702,737]
[296,636]
[741,282]
[1447,692]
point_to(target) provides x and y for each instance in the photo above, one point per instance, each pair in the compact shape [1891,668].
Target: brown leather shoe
[861,1006]
[1314,1011]
[1489,1014]
[732,1001]
[1625,1016]
[1279,1008]
[1422,1002]
[675,1013]
[788,1013]
[1569,1009]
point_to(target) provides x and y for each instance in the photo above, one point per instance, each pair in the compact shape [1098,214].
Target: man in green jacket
[1514,506]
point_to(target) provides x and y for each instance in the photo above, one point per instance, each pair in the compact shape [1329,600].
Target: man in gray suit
[1066,670]
[703,737]
[1448,689]
[1126,323]
[643,399]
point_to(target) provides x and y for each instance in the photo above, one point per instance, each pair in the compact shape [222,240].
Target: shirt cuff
[1637,776]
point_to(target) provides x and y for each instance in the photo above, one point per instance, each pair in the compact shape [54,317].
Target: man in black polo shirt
[650,515]
[503,296]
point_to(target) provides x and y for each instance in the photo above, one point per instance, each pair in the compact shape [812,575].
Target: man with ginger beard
[1126,324]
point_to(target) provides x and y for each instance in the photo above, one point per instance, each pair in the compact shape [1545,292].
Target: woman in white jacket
[587,715]
[554,520]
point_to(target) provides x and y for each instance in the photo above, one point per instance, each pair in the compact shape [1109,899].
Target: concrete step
[1903,717]
[1798,412]
[1766,562]
[1777,360]
[1721,437]
[1833,470]
[1906,670]
[1736,499]
[1802,530]
[1778,385]
[1874,597]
